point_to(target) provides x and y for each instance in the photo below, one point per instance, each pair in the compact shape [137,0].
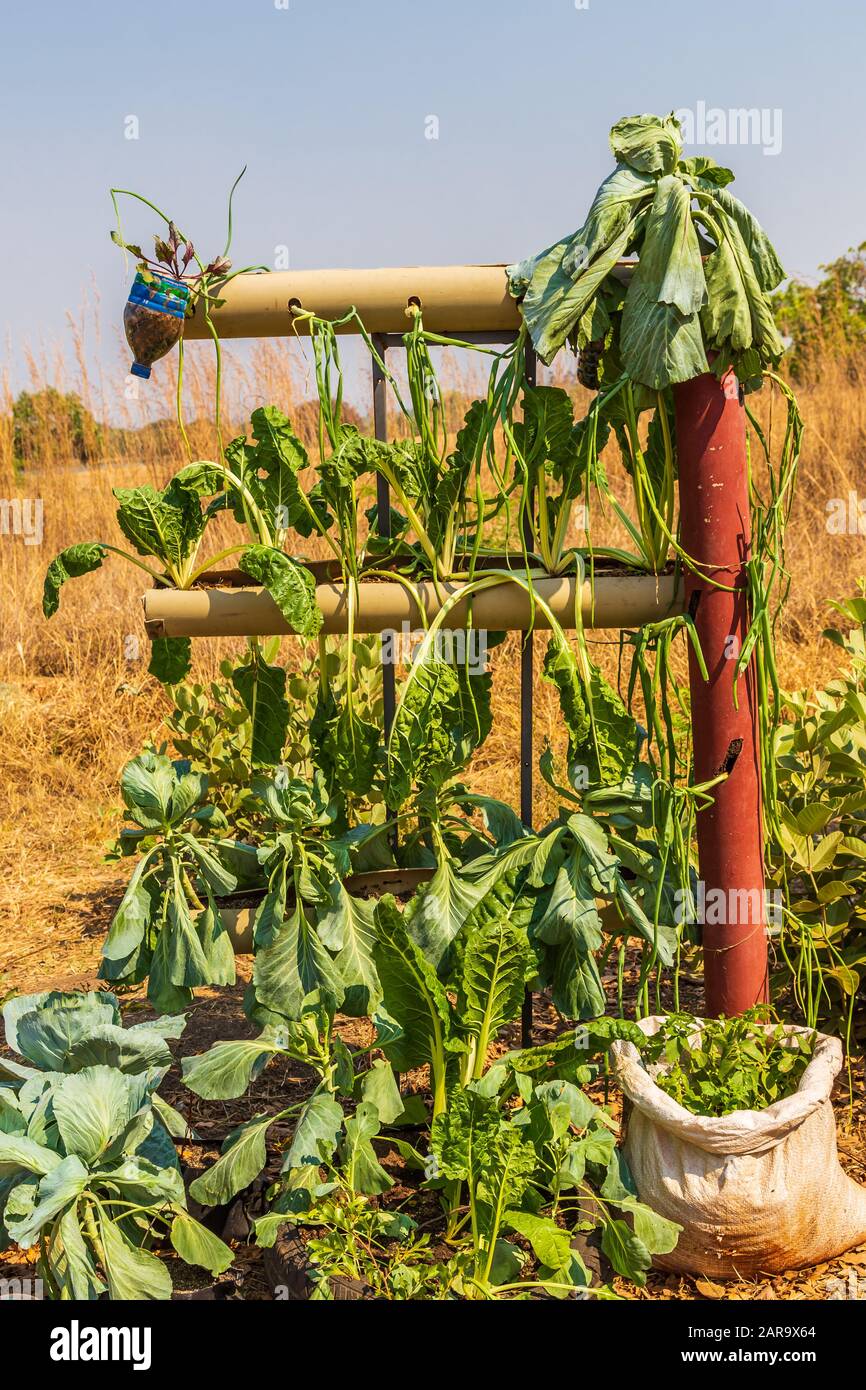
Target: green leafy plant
[817,865]
[590,882]
[537,1161]
[320,1127]
[59,1034]
[696,299]
[705,269]
[380,1248]
[168,525]
[717,1066]
[88,1172]
[445,1003]
[535,1158]
[168,928]
[310,933]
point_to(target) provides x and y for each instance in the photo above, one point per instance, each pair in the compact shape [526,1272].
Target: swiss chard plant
[88,1173]
[535,1161]
[168,525]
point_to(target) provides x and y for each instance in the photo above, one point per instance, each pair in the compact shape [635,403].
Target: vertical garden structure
[473,303]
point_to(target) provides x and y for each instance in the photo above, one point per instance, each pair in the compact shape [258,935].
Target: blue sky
[327,101]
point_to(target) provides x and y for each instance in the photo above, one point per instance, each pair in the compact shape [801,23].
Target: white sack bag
[756,1191]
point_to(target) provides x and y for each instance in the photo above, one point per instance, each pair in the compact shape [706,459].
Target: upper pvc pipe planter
[615,601]
[453,298]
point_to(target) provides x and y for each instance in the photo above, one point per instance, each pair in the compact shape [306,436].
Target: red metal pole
[715,531]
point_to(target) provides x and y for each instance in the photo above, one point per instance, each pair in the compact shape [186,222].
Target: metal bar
[526,740]
[383,512]
[716,533]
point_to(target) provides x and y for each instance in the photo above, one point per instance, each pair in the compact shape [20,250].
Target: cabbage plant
[88,1171]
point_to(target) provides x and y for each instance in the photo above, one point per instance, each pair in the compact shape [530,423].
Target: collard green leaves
[229,1067]
[661,338]
[559,286]
[675,307]
[168,928]
[295,965]
[347,928]
[647,144]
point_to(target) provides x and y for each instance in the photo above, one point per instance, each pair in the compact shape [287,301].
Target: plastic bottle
[153,319]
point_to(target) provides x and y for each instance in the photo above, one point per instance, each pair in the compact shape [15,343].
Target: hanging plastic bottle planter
[153,318]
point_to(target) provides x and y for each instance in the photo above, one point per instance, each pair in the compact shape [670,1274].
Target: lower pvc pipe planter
[613,601]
